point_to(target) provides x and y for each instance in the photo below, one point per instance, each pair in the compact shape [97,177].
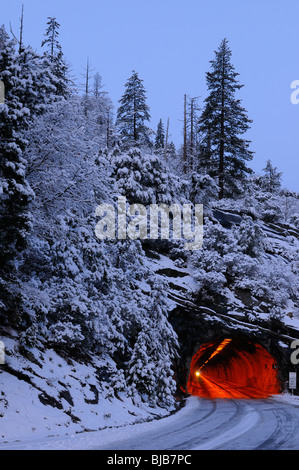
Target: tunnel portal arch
[233,367]
[196,329]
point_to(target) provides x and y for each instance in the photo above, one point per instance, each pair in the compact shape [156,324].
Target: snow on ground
[97,439]
[287,398]
[179,278]
[48,395]
[104,438]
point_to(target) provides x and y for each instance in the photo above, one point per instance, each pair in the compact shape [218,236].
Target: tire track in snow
[204,436]
[160,437]
[248,420]
[284,429]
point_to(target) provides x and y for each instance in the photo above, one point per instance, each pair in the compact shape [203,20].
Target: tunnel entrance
[233,368]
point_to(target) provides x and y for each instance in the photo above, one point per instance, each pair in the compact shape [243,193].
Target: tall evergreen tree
[222,123]
[27,92]
[271,180]
[54,56]
[150,366]
[15,192]
[133,112]
[160,136]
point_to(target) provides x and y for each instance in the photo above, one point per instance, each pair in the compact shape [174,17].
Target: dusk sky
[170,43]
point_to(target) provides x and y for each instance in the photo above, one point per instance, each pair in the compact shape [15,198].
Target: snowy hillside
[44,394]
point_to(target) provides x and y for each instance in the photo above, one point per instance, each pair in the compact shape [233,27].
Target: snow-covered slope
[44,394]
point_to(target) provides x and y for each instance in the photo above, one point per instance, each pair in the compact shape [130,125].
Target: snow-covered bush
[142,177]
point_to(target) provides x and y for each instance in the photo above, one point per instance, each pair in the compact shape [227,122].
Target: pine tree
[28,92]
[39,91]
[149,369]
[203,190]
[164,343]
[97,85]
[142,177]
[271,180]
[103,106]
[141,369]
[55,58]
[160,136]
[222,123]
[15,192]
[132,113]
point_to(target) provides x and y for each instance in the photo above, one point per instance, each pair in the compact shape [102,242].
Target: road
[203,424]
[223,424]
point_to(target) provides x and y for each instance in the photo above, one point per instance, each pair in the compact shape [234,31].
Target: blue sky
[170,43]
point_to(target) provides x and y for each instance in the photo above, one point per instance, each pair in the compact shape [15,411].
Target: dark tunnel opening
[233,368]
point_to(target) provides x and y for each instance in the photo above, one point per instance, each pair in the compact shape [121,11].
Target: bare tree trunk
[185,135]
[21,31]
[87,77]
[20,40]
[87,86]
[166,140]
[192,133]
[192,125]
[108,128]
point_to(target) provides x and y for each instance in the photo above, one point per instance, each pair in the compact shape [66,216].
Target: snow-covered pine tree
[203,190]
[27,91]
[149,369]
[81,275]
[271,180]
[55,59]
[142,177]
[68,184]
[251,237]
[101,106]
[166,346]
[271,203]
[173,160]
[132,113]
[140,369]
[222,124]
[160,136]
[38,92]
[78,284]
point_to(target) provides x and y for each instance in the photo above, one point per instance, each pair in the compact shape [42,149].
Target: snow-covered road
[225,424]
[201,425]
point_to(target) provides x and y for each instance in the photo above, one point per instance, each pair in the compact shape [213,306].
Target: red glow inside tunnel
[233,368]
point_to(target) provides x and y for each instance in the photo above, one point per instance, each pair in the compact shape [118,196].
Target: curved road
[203,424]
[222,424]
